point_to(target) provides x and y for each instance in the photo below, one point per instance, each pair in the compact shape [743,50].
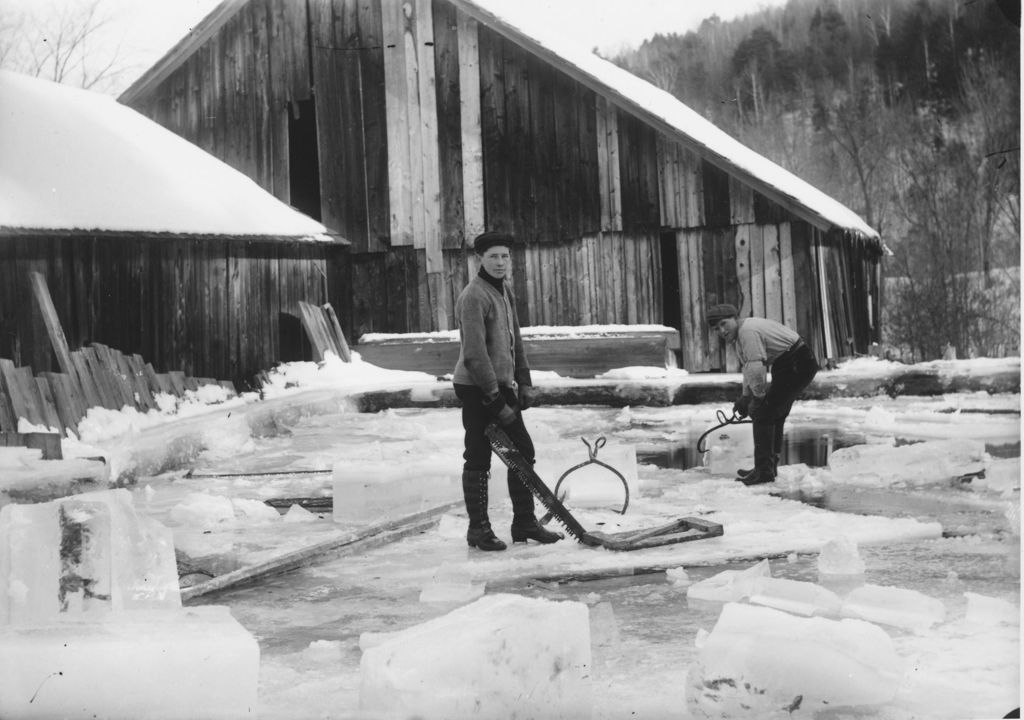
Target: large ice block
[592,485]
[935,461]
[154,664]
[84,554]
[840,557]
[729,449]
[761,662]
[985,610]
[374,492]
[893,606]
[795,596]
[729,585]
[500,654]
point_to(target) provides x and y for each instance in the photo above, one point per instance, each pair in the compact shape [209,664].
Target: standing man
[492,379]
[762,344]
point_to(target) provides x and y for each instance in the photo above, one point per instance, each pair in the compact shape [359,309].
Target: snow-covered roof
[74,160]
[665,112]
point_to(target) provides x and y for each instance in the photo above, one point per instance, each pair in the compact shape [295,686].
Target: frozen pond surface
[308,621]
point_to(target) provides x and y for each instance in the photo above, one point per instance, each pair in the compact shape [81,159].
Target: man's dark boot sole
[545,537]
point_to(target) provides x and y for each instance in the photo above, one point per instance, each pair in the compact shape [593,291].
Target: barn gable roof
[632,94]
[667,114]
[74,160]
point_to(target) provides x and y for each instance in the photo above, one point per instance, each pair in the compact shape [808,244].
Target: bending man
[762,344]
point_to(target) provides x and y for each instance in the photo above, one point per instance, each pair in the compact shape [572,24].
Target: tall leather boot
[778,443]
[524,522]
[474,492]
[764,451]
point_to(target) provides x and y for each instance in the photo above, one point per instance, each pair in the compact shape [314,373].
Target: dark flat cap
[720,312]
[485,241]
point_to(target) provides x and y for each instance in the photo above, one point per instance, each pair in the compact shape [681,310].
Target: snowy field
[925,490]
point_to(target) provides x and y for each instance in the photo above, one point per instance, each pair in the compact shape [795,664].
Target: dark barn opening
[671,298]
[304,159]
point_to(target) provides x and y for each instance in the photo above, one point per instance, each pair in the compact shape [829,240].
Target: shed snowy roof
[74,160]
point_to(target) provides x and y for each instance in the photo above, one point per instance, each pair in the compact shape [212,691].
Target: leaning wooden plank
[61,389]
[86,383]
[339,337]
[8,420]
[138,370]
[18,391]
[53,326]
[347,543]
[152,381]
[177,378]
[166,386]
[48,405]
[191,383]
[101,379]
[308,315]
[118,383]
[229,386]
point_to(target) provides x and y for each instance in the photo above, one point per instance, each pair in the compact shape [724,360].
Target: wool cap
[485,241]
[720,312]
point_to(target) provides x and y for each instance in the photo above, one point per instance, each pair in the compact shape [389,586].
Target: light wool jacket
[491,352]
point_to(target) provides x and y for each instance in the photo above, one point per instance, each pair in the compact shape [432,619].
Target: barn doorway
[304,159]
[671,293]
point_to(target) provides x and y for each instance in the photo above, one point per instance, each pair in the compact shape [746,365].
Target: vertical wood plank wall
[432,127]
[211,307]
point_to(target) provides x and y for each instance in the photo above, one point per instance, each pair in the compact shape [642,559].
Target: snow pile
[761,662]
[481,660]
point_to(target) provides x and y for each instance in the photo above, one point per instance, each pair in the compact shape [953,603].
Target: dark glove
[742,405]
[500,411]
[525,396]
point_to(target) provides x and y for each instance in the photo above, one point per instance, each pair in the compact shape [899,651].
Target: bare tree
[64,43]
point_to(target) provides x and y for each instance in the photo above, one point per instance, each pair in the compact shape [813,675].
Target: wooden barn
[408,127]
[146,244]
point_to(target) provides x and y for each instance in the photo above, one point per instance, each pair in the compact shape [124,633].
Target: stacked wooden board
[99,377]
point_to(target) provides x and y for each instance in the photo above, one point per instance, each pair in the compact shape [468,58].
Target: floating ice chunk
[760,662]
[896,607]
[795,596]
[481,660]
[1002,475]
[729,585]
[984,610]
[372,492]
[729,449]
[451,584]
[840,556]
[203,510]
[937,461]
[604,628]
[83,554]
[678,577]
[254,510]
[188,662]
[297,514]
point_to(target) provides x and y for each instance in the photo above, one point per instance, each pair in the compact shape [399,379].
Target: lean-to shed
[409,126]
[148,244]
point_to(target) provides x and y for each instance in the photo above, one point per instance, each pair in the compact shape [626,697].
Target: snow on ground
[944,539]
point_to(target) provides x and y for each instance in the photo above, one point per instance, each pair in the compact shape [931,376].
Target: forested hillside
[907,112]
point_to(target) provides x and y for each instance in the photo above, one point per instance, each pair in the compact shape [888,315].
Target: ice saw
[677,531]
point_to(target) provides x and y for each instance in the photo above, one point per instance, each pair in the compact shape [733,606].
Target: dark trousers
[477,455]
[792,372]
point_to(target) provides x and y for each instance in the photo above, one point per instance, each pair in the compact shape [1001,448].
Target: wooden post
[53,327]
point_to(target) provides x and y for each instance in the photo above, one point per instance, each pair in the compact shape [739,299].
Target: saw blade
[509,454]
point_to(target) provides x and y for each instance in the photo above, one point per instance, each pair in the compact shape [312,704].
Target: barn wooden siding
[431,127]
[211,307]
